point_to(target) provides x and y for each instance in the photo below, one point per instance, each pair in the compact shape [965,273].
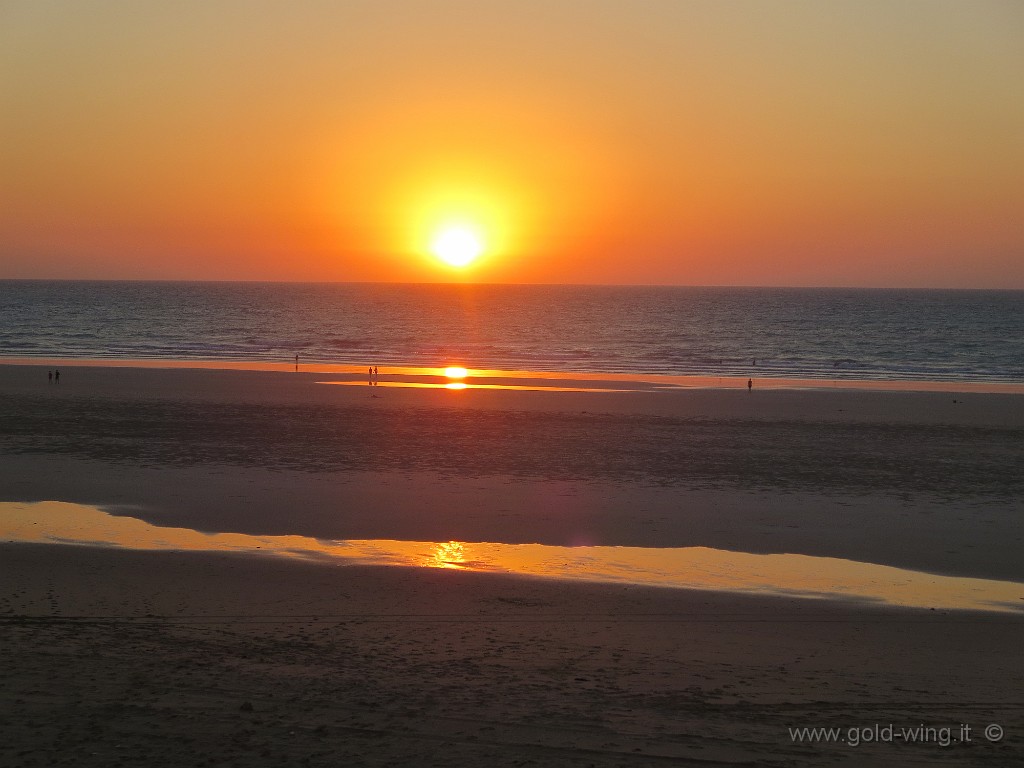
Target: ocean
[939,335]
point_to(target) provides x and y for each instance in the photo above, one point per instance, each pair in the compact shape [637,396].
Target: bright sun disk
[457,246]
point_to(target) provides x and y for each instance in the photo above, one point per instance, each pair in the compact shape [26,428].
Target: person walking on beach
[376,378]
[750,384]
[49,377]
[369,375]
[56,376]
[296,361]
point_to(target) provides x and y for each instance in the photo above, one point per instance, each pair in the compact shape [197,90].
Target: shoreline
[493,378]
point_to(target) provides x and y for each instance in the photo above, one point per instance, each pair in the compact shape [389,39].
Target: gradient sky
[592,141]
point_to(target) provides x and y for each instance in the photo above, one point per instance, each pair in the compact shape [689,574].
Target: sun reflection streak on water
[689,568]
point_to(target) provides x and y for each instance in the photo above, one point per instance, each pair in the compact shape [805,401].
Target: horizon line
[498,284]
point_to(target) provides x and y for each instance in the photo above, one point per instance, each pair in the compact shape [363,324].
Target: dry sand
[126,658]
[139,658]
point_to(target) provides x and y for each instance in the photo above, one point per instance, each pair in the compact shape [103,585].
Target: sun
[457,246]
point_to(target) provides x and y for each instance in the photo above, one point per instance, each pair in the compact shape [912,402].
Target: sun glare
[457,246]
[455,372]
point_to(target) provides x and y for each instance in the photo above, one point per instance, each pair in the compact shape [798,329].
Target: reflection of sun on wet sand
[177,657]
[625,381]
[449,555]
[684,568]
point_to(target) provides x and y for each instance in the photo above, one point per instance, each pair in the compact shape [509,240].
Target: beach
[126,656]
[488,385]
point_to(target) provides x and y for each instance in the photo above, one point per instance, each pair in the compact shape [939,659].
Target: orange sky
[661,141]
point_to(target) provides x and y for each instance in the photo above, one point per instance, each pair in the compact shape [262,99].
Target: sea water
[939,335]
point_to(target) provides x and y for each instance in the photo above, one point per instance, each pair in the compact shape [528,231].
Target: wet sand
[929,481]
[179,658]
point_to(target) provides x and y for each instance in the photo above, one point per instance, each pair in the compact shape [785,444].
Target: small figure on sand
[49,377]
[376,378]
[750,384]
[56,377]
[371,373]
[296,361]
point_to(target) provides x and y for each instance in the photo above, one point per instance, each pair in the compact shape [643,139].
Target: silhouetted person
[750,384]
[296,362]
[369,375]
[56,376]
[376,378]
[49,377]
